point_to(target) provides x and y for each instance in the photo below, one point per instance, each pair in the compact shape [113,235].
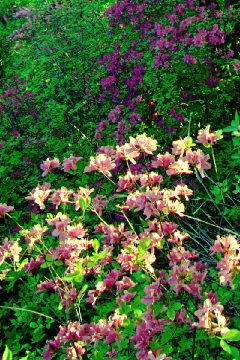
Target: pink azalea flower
[82,193]
[61,196]
[146,144]
[107,150]
[179,167]
[199,159]
[34,234]
[183,190]
[205,137]
[150,210]
[169,206]
[163,161]
[179,254]
[60,222]
[70,163]
[229,247]
[99,203]
[150,179]
[4,208]
[126,297]
[153,293]
[136,200]
[180,146]
[49,165]
[127,182]
[76,231]
[127,152]
[211,318]
[111,278]
[127,260]
[33,263]
[117,320]
[124,284]
[101,163]
[187,277]
[177,237]
[10,249]
[40,194]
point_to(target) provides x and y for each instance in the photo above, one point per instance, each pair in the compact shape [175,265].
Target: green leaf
[33,325]
[166,336]
[96,245]
[7,355]
[176,306]
[230,350]
[45,265]
[171,314]
[48,257]
[234,124]
[232,335]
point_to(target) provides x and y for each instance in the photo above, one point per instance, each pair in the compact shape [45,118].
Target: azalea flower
[150,179]
[211,318]
[146,144]
[180,146]
[48,165]
[40,194]
[229,264]
[153,293]
[70,163]
[178,167]
[183,190]
[4,208]
[9,249]
[205,137]
[127,152]
[187,277]
[60,221]
[163,161]
[61,196]
[199,159]
[127,182]
[82,193]
[101,163]
[34,234]
[99,203]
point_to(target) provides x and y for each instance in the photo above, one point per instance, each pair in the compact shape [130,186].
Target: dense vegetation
[119,203]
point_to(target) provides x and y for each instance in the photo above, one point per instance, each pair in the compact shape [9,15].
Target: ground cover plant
[120,151]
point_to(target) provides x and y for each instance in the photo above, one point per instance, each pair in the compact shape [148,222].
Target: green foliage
[52,100]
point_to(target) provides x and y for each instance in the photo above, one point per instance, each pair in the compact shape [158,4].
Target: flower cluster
[123,251]
[4,209]
[186,34]
[229,264]
[68,164]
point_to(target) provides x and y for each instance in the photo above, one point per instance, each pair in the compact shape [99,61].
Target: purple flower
[134,118]
[170,130]
[108,82]
[212,82]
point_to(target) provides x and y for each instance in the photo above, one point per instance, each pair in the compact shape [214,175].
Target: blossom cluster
[142,36]
[123,251]
[68,164]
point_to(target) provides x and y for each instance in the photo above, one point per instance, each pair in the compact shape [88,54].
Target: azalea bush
[116,271]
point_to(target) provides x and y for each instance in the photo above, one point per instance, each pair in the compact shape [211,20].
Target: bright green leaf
[232,335]
[7,355]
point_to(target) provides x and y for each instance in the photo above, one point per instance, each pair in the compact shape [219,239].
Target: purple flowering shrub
[129,283]
[167,60]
